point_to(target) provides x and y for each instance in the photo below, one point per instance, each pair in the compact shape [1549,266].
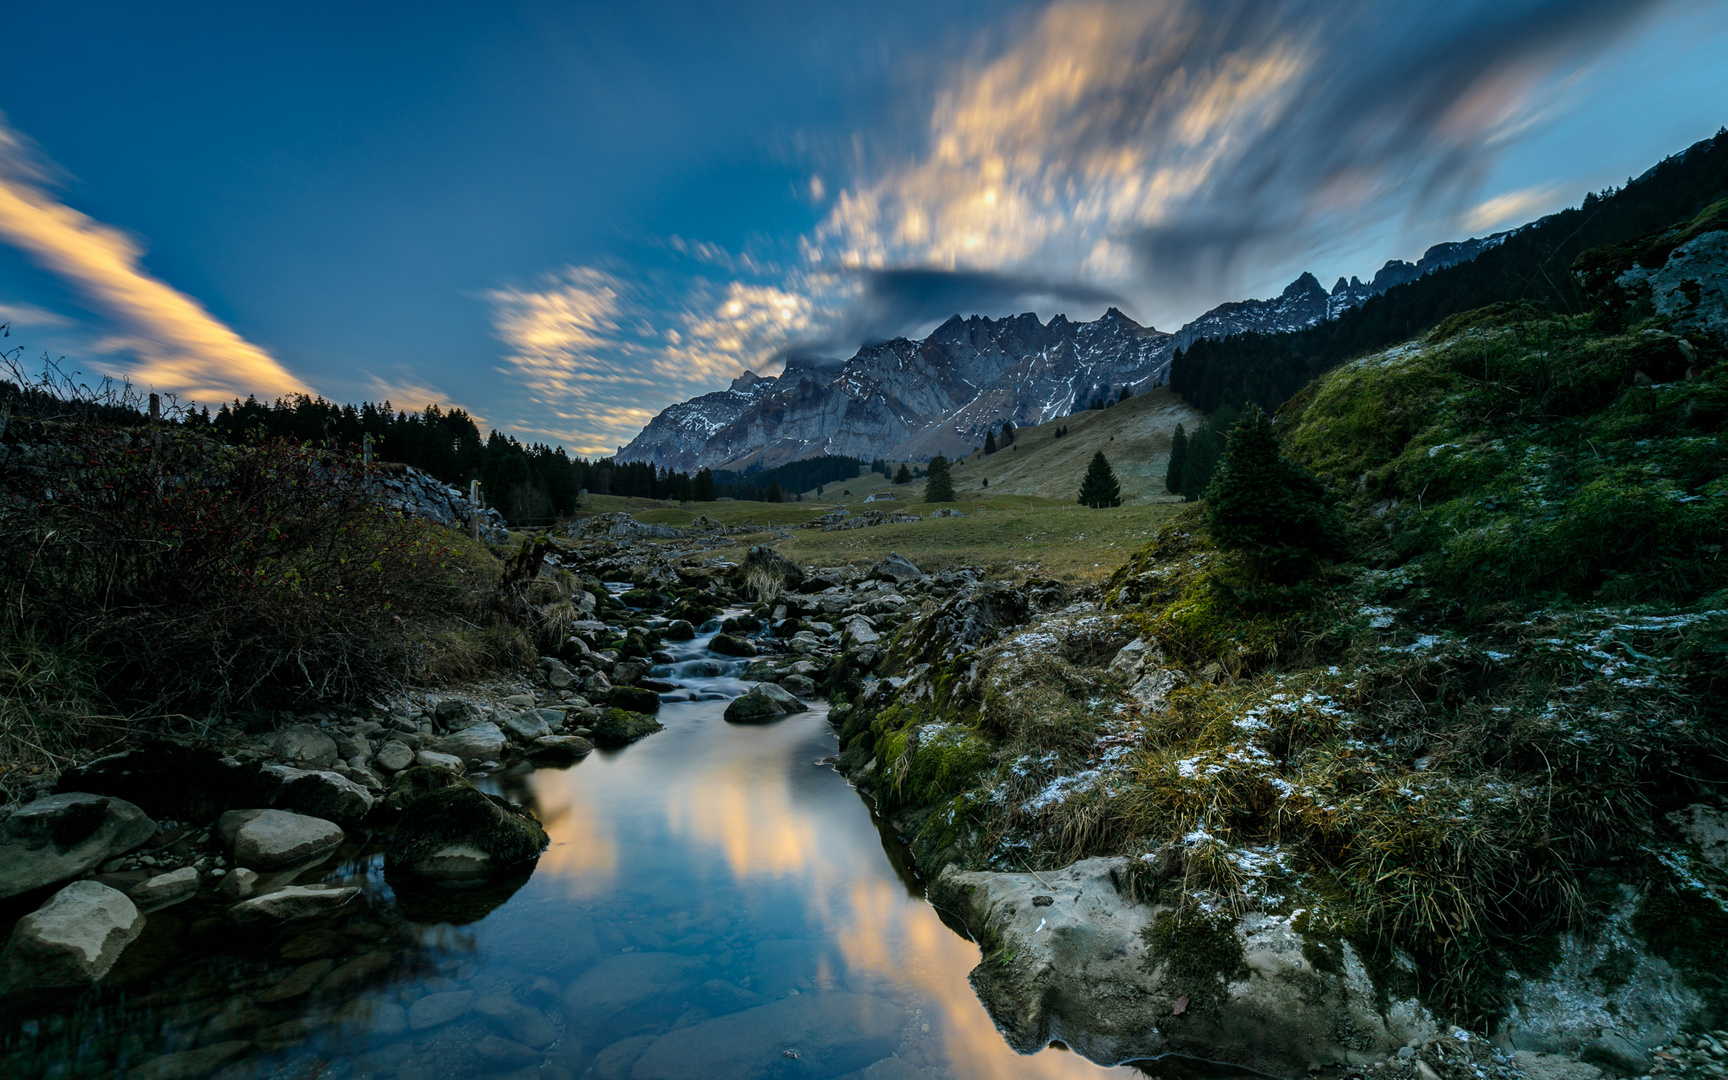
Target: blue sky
[564,217]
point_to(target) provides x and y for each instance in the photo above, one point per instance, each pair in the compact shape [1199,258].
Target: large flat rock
[630,980]
[58,837]
[266,839]
[71,940]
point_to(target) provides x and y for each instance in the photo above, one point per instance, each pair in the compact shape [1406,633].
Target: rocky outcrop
[267,839]
[59,837]
[461,832]
[72,940]
[1069,957]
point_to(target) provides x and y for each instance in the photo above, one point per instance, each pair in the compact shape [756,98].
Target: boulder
[454,714]
[824,1034]
[522,1023]
[477,742]
[860,632]
[59,837]
[393,756]
[896,568]
[165,890]
[559,749]
[767,575]
[239,883]
[1615,1055]
[526,726]
[1152,690]
[627,981]
[783,699]
[439,1008]
[293,902]
[727,645]
[305,745]
[558,677]
[322,794]
[461,832]
[753,708]
[411,785]
[518,701]
[267,839]
[678,630]
[432,759]
[596,686]
[633,699]
[72,940]
[617,727]
[1132,658]
[802,685]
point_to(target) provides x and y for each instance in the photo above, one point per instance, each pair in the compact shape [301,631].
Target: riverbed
[716,901]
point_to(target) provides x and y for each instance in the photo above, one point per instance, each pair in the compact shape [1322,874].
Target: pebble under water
[716,902]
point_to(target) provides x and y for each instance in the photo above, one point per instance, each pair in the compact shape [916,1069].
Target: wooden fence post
[474,509]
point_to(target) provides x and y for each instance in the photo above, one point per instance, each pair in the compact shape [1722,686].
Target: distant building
[880,496]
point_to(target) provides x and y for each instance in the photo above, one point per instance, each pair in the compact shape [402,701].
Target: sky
[564,217]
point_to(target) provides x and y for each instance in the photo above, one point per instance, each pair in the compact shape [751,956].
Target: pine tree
[904,476]
[939,487]
[1007,438]
[990,442]
[1178,457]
[702,488]
[1125,395]
[1099,488]
[1270,509]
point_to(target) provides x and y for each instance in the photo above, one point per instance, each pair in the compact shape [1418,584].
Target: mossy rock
[678,630]
[642,599]
[753,708]
[633,699]
[461,832]
[620,727]
[741,624]
[727,645]
[415,783]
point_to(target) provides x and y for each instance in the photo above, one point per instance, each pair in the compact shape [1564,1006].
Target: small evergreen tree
[904,476]
[1178,458]
[990,442]
[1125,395]
[1007,438]
[1270,509]
[939,487]
[702,488]
[1099,487]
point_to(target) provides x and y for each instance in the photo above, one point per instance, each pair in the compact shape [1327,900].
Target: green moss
[1199,953]
[617,727]
[504,834]
[633,699]
[416,782]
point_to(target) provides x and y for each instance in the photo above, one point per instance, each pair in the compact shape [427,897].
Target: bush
[1265,507]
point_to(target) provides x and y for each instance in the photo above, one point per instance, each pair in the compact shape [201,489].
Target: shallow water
[715,903]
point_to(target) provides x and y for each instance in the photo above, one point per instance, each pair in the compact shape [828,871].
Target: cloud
[1512,208]
[896,302]
[31,315]
[178,346]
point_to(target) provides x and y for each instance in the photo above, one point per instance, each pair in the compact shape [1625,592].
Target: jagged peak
[745,381]
[1307,283]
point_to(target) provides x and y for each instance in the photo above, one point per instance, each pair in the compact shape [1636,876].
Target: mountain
[911,400]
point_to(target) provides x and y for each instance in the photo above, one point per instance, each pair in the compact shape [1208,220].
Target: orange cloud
[180,347]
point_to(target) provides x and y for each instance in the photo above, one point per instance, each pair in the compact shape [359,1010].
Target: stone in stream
[461,832]
[321,793]
[189,1064]
[628,981]
[802,685]
[727,645]
[441,1008]
[267,839]
[477,742]
[826,1034]
[305,745]
[432,759]
[763,703]
[860,632]
[411,785]
[525,1025]
[617,727]
[59,837]
[165,890]
[393,756]
[678,630]
[558,677]
[634,699]
[71,940]
[293,902]
[559,749]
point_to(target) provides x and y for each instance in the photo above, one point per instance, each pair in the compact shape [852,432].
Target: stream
[716,902]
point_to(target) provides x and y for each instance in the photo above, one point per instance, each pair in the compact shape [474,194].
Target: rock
[557,749]
[804,643]
[1152,690]
[358,971]
[859,632]
[393,756]
[1132,658]
[59,837]
[189,1064]
[432,759]
[616,1060]
[727,645]
[767,575]
[411,785]
[305,745]
[505,1053]
[526,1025]
[801,685]
[558,677]
[266,839]
[454,714]
[71,940]
[477,742]
[293,902]
[206,782]
[239,883]
[616,727]
[525,727]
[628,981]
[350,745]
[435,1009]
[372,1016]
[898,569]
[519,701]
[324,794]
[678,630]
[1552,1066]
[165,890]
[752,708]
[826,1033]
[297,983]
[1615,1055]
[783,699]
[596,685]
[634,699]
[1088,965]
[462,833]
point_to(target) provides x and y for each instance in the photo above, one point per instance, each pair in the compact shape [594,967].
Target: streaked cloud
[1512,208]
[31,315]
[173,343]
